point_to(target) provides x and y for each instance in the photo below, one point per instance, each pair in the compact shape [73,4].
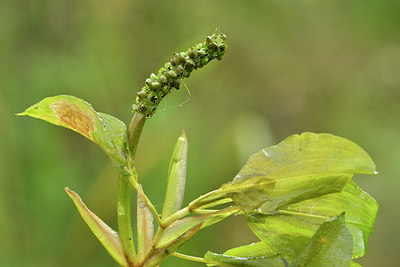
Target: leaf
[252,250]
[300,167]
[291,228]
[256,254]
[176,178]
[331,245]
[78,115]
[145,225]
[107,236]
[224,260]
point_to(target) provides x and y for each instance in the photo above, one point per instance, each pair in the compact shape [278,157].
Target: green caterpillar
[180,66]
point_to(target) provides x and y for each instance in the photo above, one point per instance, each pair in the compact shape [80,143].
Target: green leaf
[260,261]
[145,225]
[291,228]
[331,245]
[78,115]
[107,236]
[253,250]
[301,167]
[257,254]
[176,178]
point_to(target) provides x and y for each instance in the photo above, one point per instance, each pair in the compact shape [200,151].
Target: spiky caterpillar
[179,67]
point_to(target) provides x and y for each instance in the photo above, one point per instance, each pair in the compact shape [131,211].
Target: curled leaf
[176,178]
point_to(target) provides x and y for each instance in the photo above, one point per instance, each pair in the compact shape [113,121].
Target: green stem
[124,217]
[134,132]
[124,191]
[176,216]
[189,258]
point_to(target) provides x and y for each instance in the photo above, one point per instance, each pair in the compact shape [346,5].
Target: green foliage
[248,261]
[291,228]
[290,194]
[301,167]
[176,178]
[331,245]
[78,115]
[107,236]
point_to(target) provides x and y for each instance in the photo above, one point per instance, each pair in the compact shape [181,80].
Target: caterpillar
[181,65]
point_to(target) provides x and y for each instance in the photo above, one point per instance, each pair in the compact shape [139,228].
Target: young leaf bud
[190,64]
[173,61]
[172,74]
[162,79]
[179,69]
[180,59]
[153,77]
[192,53]
[142,95]
[155,85]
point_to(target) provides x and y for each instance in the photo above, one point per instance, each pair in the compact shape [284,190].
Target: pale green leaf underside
[213,259]
[291,228]
[300,167]
[331,245]
[107,236]
[78,115]
[258,249]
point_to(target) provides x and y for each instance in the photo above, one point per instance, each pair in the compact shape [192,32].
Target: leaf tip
[183,135]
[71,193]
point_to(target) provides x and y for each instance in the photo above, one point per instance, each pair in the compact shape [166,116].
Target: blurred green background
[292,66]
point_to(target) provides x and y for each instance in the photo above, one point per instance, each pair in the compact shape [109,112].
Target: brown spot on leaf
[73,116]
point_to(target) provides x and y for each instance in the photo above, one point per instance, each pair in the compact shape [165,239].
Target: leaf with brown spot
[78,115]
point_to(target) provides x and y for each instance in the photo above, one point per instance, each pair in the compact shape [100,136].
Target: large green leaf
[78,115]
[176,178]
[107,236]
[331,245]
[300,167]
[291,228]
[213,259]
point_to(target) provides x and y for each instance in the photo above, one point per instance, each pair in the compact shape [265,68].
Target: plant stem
[134,132]
[176,216]
[124,217]
[189,258]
